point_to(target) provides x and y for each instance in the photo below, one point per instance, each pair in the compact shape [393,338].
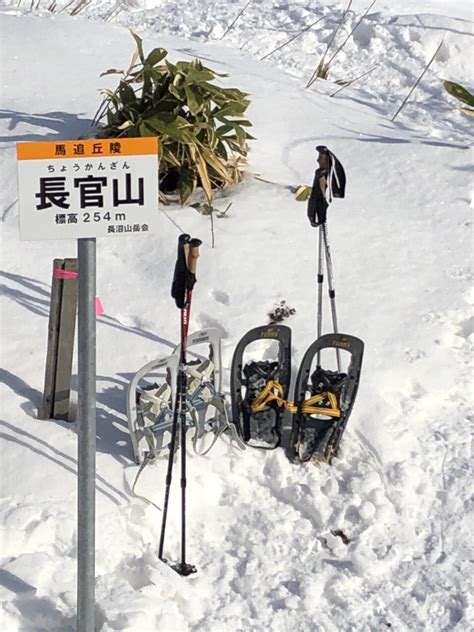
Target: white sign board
[88,188]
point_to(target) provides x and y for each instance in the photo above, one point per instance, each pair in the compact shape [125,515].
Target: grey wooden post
[59,356]
[65,343]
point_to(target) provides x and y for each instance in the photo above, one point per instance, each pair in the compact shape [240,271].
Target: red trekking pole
[181,290]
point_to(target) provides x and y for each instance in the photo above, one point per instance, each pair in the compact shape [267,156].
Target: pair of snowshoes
[323,396]
[152,397]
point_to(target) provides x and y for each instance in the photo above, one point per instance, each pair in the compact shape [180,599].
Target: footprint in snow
[220,296]
[206,321]
[466,328]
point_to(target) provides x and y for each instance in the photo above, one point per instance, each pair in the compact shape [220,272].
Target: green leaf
[178,130]
[111,71]
[127,93]
[195,103]
[302,193]
[200,76]
[221,150]
[176,90]
[139,42]
[456,90]
[241,136]
[172,69]
[224,129]
[242,123]
[145,130]
[203,208]
[232,108]
[156,55]
[187,183]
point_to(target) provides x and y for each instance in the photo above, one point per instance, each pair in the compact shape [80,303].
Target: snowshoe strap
[153,400]
[200,386]
[220,422]
[148,459]
[218,403]
[309,406]
[273,392]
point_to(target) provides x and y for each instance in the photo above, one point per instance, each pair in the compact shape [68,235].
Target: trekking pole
[178,278]
[320,288]
[183,282]
[329,182]
[192,255]
[331,291]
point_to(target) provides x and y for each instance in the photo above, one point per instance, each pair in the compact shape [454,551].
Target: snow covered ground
[260,528]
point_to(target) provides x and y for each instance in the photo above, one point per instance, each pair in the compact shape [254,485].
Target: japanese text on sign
[88,188]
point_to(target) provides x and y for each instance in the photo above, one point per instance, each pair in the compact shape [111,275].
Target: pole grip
[192,254]
[323,185]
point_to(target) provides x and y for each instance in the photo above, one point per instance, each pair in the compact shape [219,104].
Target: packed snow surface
[262,532]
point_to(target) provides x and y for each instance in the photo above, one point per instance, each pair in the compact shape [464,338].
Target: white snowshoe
[152,397]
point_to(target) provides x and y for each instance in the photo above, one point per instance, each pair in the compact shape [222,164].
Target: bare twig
[321,63]
[292,39]
[66,7]
[79,6]
[238,16]
[113,14]
[222,214]
[417,81]
[351,33]
[349,83]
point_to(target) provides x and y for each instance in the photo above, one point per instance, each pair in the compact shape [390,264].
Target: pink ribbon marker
[58,273]
[99,308]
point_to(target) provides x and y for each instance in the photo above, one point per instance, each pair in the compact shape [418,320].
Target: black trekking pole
[329,181]
[183,282]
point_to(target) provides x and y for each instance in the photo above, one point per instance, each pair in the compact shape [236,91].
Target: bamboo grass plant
[202,126]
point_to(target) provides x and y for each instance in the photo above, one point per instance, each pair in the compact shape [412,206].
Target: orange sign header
[89,148]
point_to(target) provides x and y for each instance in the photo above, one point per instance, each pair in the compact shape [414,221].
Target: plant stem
[314,76]
[292,39]
[347,38]
[349,83]
[227,208]
[238,16]
[417,81]
[212,229]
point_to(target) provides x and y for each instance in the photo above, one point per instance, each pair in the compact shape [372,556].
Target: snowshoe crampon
[152,399]
[259,388]
[324,397]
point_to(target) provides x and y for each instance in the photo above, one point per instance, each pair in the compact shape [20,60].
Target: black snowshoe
[259,389]
[324,399]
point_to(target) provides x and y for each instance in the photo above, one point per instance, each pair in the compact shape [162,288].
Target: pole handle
[323,185]
[192,254]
